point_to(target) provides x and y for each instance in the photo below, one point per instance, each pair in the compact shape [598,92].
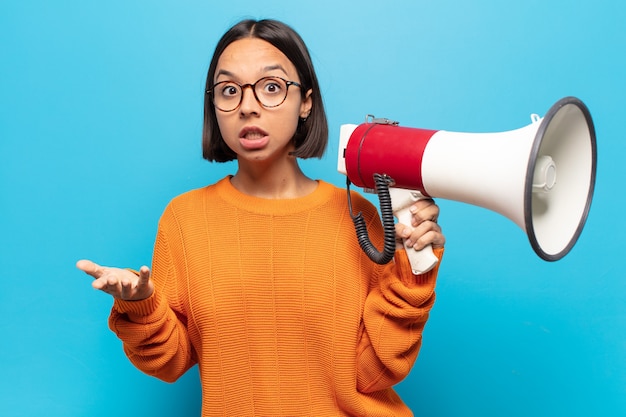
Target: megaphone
[540,176]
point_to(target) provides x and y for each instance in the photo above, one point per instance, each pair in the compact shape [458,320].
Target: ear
[306,105]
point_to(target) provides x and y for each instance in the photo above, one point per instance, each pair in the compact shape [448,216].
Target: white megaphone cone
[540,176]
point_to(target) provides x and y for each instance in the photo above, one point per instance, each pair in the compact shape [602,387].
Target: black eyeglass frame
[211,92]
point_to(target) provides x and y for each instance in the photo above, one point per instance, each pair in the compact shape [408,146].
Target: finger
[90,268]
[132,285]
[144,276]
[107,282]
[432,237]
[126,288]
[424,210]
[423,202]
[144,273]
[424,234]
[100,284]
[115,285]
[409,235]
[403,231]
[104,285]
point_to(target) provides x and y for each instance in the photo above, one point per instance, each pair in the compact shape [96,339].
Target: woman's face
[254,132]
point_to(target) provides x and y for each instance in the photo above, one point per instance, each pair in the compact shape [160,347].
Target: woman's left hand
[424,229]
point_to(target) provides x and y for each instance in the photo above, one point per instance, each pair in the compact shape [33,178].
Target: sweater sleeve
[154,331]
[395,313]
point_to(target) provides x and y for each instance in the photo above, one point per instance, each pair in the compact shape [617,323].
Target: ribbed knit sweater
[278,305]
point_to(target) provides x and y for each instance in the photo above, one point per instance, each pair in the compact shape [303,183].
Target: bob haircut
[311,135]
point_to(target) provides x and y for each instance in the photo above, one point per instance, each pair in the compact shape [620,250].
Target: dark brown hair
[311,135]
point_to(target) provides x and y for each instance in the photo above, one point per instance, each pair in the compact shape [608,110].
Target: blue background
[100,122]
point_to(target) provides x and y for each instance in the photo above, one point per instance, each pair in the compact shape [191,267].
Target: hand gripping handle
[401,199]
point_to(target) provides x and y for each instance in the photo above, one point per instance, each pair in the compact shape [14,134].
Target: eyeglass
[268,91]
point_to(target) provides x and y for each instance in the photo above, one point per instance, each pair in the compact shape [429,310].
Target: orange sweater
[278,305]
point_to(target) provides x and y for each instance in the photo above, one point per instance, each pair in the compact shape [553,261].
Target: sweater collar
[230,194]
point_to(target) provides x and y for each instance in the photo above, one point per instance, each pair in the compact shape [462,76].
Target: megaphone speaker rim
[528,189]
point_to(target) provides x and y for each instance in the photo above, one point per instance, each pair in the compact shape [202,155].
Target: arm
[398,305]
[396,311]
[154,331]
[146,315]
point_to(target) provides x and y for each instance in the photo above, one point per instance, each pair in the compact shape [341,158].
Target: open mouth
[253,138]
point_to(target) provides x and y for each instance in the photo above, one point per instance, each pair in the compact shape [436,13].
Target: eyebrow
[275,67]
[265,69]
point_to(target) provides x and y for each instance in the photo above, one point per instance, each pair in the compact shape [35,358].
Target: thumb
[90,268]
[144,288]
[144,275]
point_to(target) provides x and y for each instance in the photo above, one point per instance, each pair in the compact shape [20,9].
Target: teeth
[253,135]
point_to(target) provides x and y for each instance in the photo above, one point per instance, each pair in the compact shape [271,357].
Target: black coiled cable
[382,189]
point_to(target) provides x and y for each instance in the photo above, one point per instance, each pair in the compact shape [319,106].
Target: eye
[228,89]
[271,86]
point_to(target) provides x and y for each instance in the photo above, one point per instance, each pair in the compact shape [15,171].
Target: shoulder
[197,194]
[190,202]
[191,196]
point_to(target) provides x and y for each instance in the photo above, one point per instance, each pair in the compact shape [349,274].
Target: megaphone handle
[421,260]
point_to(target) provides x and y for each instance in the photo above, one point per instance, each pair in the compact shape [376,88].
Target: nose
[249,103]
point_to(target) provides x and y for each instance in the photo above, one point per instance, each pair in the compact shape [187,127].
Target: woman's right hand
[120,283]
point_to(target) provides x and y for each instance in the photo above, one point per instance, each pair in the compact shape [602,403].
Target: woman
[259,278]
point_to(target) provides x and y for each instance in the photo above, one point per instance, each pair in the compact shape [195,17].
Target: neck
[274,181]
